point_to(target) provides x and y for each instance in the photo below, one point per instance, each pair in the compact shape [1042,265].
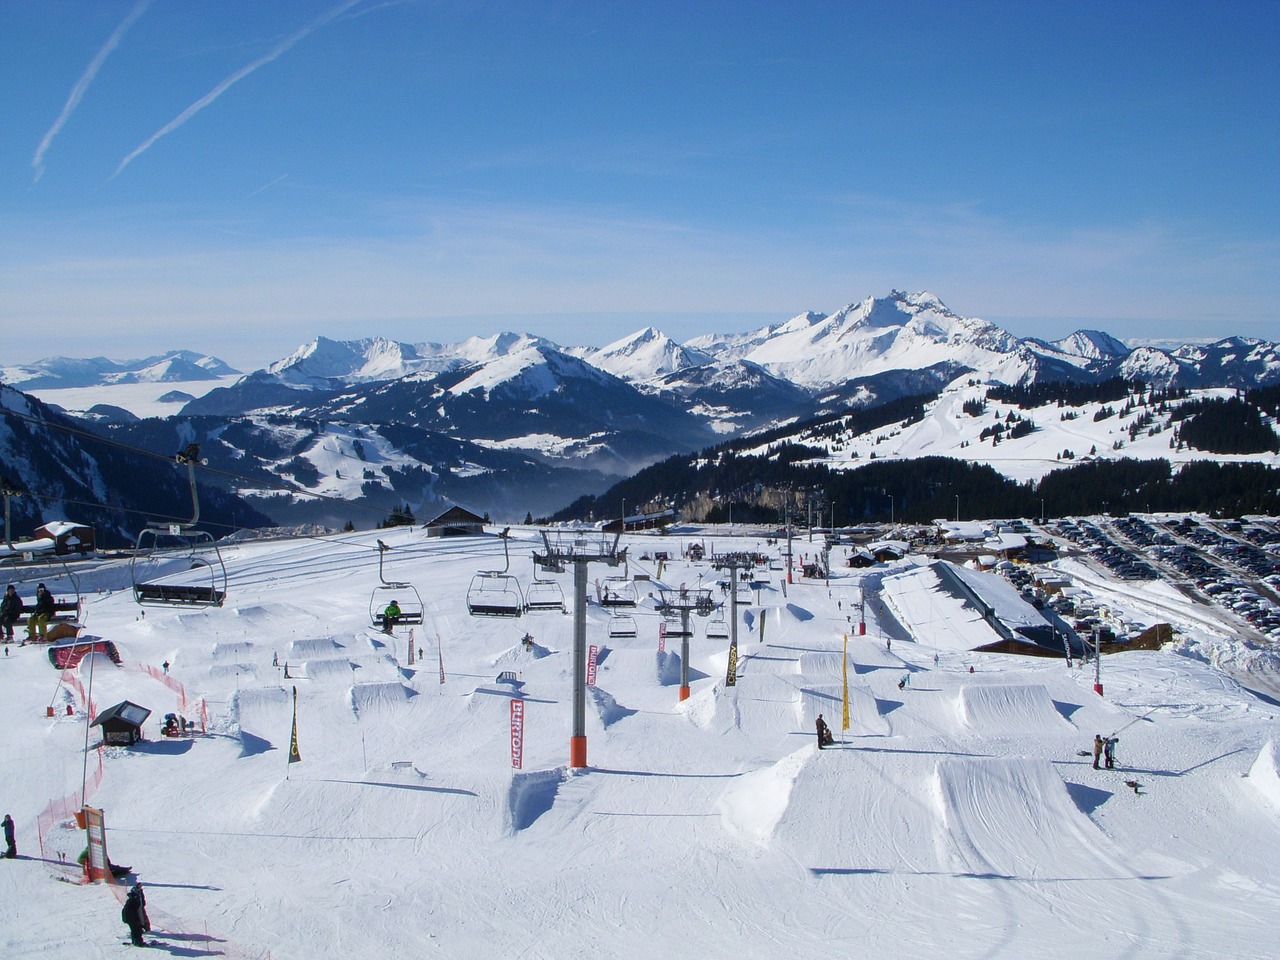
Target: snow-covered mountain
[63,372]
[609,411]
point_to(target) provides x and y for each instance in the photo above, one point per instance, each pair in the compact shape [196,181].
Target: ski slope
[954,817]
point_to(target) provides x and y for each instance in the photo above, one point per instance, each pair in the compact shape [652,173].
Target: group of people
[1104,749]
[12,608]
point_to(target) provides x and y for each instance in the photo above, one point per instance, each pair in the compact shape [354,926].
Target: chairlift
[178,564]
[622,625]
[403,593]
[618,592]
[496,593]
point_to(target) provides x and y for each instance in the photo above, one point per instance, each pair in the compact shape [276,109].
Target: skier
[132,913]
[390,616]
[10,610]
[165,665]
[38,622]
[824,733]
[1109,751]
[1098,744]
[142,901]
[10,848]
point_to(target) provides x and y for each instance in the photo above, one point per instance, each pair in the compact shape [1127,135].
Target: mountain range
[515,423]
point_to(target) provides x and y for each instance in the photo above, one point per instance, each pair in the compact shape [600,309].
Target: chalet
[67,537]
[456,522]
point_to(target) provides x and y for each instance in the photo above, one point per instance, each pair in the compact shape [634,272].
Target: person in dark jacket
[1109,751]
[825,738]
[10,848]
[41,615]
[132,913]
[11,608]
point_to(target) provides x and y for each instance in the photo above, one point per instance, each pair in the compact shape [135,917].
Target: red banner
[593,653]
[517,733]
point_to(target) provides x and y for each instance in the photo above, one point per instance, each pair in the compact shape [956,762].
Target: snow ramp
[1010,708]
[752,806]
[1264,775]
[865,718]
[330,670]
[1012,818]
[312,647]
[365,698]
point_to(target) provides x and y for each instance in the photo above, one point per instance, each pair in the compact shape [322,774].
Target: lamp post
[957,508]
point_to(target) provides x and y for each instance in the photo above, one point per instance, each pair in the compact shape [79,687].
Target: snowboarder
[10,848]
[275,659]
[390,616]
[142,900]
[935,659]
[824,733]
[1109,752]
[44,610]
[1098,744]
[132,913]
[166,667]
[10,610]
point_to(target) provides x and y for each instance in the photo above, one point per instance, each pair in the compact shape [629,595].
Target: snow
[954,817]
[140,399]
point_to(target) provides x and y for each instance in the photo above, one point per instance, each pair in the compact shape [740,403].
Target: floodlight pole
[579,553]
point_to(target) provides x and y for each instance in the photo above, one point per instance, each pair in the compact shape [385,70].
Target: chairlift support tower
[579,551]
[684,601]
[733,562]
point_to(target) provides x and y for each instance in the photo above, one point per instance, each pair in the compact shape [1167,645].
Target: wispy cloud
[279,49]
[86,78]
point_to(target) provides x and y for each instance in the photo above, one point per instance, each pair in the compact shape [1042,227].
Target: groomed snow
[954,818]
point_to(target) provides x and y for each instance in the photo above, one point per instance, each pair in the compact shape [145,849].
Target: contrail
[239,75]
[78,91]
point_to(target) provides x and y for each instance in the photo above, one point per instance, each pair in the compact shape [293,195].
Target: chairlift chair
[622,625]
[402,592]
[544,595]
[178,564]
[718,627]
[618,592]
[55,574]
[496,593]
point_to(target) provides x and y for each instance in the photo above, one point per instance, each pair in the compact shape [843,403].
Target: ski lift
[496,593]
[403,593]
[618,592]
[622,625]
[180,563]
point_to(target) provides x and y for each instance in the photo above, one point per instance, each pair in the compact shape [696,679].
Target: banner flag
[440,650]
[662,636]
[763,614]
[731,675]
[517,733]
[593,655]
[844,723]
[294,755]
[411,645]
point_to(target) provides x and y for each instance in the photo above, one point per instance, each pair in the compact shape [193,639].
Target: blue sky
[240,177]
